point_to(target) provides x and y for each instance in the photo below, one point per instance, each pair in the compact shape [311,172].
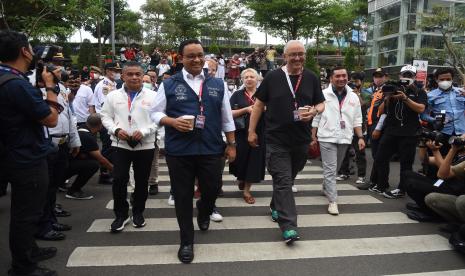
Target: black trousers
[84,169]
[57,166]
[141,161]
[183,170]
[405,146]
[360,160]
[419,186]
[3,183]
[107,149]
[28,193]
[283,164]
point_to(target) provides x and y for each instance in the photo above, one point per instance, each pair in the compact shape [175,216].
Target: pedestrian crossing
[322,236]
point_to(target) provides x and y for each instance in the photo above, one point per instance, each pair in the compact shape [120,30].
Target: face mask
[96,76]
[144,61]
[148,85]
[410,81]
[445,85]
[32,65]
[117,76]
[230,87]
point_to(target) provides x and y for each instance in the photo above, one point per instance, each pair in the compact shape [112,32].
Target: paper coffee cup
[191,119]
[303,110]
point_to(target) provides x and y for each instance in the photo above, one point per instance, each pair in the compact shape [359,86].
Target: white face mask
[96,76]
[445,85]
[117,76]
[148,85]
[231,87]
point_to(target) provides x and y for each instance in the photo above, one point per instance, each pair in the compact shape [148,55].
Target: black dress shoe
[59,212]
[39,271]
[52,235]
[43,253]
[186,253]
[105,180]
[61,227]
[413,206]
[202,222]
[153,189]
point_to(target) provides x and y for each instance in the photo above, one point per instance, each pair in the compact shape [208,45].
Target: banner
[422,70]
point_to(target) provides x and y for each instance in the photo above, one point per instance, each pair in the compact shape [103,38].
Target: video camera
[44,57]
[392,87]
[433,131]
[457,141]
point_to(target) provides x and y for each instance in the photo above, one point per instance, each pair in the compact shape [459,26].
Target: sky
[256,36]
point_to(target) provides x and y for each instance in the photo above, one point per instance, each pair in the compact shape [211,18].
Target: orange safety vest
[377,96]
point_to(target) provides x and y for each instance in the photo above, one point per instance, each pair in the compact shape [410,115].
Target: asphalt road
[372,236]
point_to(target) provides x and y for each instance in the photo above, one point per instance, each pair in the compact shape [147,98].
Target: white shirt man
[82,102]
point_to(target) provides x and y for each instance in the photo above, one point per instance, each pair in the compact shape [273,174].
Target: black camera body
[436,136]
[44,56]
[457,141]
[392,87]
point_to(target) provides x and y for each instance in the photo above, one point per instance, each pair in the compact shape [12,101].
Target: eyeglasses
[294,55]
[193,56]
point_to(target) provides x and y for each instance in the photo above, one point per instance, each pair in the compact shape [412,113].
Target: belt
[59,139]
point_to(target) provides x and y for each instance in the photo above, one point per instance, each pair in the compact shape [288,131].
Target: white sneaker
[360,180]
[216,216]
[294,189]
[342,177]
[171,200]
[332,209]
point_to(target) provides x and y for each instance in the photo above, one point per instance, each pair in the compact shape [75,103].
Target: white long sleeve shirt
[158,110]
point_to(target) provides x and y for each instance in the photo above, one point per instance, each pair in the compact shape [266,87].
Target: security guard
[105,86]
[66,140]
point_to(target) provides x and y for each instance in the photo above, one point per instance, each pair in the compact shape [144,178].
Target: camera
[457,141]
[392,87]
[435,136]
[44,57]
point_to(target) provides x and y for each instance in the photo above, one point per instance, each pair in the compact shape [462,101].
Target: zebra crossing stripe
[258,251]
[266,188]
[263,222]
[265,201]
[229,177]
[459,272]
[226,169]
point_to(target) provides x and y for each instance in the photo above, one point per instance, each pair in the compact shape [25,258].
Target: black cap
[379,72]
[112,66]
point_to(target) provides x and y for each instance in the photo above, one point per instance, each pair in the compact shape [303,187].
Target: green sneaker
[274,215]
[290,236]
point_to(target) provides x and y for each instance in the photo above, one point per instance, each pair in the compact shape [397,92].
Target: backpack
[4,79]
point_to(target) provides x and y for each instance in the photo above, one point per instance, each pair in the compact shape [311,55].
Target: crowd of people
[205,111]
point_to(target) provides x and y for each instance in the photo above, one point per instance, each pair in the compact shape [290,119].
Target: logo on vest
[213,91]
[180,92]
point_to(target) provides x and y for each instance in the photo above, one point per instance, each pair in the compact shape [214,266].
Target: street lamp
[112,7]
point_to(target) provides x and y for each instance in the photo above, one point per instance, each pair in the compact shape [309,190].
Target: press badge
[296,116]
[200,122]
[343,125]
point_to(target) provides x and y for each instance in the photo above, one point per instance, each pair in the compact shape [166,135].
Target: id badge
[343,125]
[200,122]
[296,116]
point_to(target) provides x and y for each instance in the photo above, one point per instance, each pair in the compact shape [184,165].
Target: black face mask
[33,63]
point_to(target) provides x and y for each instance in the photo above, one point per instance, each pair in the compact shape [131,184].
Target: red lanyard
[200,98]
[341,104]
[293,89]
[249,99]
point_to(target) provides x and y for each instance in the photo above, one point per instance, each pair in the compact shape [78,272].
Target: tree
[87,55]
[183,22]
[310,62]
[349,59]
[449,25]
[340,18]
[287,19]
[128,28]
[155,13]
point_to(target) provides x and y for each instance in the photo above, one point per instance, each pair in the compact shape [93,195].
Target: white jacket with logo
[115,114]
[329,122]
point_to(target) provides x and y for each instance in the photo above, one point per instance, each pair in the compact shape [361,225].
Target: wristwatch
[233,143]
[52,89]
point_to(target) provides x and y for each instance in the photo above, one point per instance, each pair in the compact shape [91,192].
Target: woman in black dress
[249,166]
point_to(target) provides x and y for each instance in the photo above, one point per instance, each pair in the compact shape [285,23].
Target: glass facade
[395,37]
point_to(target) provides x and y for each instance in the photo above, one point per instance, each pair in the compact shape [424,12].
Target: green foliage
[128,28]
[349,59]
[310,62]
[182,24]
[214,49]
[87,55]
[155,13]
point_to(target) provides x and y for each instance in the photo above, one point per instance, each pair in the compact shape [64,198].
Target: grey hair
[290,42]
[251,70]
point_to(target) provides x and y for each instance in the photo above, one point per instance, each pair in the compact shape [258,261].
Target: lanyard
[200,98]
[293,89]
[249,99]
[10,70]
[130,102]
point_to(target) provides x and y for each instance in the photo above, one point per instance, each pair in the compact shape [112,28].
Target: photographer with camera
[402,105]
[26,115]
[447,100]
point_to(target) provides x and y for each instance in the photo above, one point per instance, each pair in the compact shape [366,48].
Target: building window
[389,27]
[389,12]
[434,42]
[413,6]
[410,40]
[387,58]
[388,44]
[429,4]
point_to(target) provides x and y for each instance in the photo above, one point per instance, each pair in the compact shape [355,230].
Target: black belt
[59,135]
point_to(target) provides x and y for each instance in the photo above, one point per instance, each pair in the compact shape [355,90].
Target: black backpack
[4,79]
